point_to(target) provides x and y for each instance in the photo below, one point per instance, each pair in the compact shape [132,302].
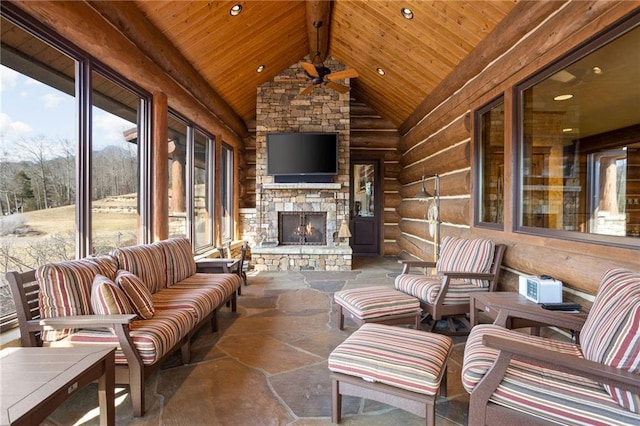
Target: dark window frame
[597,41]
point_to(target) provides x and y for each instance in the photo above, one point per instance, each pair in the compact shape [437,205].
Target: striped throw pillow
[137,293]
[463,255]
[179,258]
[611,333]
[107,299]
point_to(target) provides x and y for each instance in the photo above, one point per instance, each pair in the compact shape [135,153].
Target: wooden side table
[513,310]
[36,381]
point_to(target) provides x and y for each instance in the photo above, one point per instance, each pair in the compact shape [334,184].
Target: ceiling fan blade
[337,87]
[306,90]
[351,73]
[310,69]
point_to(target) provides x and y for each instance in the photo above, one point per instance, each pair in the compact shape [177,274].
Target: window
[190,182]
[578,143]
[74,140]
[489,135]
[226,185]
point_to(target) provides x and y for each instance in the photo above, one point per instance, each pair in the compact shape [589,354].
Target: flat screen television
[302,154]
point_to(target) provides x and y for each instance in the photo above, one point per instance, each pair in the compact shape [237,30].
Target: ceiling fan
[321,75]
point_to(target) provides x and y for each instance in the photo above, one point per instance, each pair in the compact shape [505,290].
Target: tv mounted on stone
[302,157]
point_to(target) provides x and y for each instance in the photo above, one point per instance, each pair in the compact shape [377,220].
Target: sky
[30,110]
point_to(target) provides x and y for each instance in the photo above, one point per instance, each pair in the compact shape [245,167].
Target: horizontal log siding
[437,139]
[373,137]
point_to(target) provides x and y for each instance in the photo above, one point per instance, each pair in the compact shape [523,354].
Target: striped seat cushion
[200,302]
[464,255]
[540,391]
[611,333]
[152,338]
[427,288]
[65,288]
[405,358]
[221,285]
[179,259]
[375,302]
[147,261]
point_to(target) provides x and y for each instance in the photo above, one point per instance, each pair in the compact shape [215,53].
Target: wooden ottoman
[381,305]
[398,366]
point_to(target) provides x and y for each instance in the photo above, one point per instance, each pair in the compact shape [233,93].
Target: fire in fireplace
[302,228]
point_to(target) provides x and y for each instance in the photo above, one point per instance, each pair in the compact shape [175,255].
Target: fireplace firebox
[302,228]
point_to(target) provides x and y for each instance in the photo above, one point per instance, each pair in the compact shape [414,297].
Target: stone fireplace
[281,109]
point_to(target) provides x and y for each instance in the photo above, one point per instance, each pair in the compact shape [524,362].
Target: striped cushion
[107,298]
[405,358]
[179,259]
[138,294]
[427,288]
[147,262]
[152,338]
[200,302]
[65,288]
[539,391]
[374,302]
[222,286]
[611,333]
[462,255]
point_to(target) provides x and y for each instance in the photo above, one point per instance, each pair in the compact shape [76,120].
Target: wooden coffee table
[513,310]
[36,381]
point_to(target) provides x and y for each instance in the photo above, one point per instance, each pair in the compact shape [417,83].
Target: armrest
[407,264]
[565,363]
[80,321]
[571,321]
[470,275]
[213,265]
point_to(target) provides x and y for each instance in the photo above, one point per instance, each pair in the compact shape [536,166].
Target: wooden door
[365,207]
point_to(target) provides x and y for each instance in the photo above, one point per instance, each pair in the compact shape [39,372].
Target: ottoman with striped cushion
[379,304]
[398,366]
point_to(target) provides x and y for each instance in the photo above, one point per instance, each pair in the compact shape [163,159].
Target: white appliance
[540,289]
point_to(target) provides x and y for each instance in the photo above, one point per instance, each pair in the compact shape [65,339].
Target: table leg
[106,391]
[473,314]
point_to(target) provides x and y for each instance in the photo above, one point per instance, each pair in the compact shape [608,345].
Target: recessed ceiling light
[235,9]
[562,97]
[380,71]
[406,13]
[567,129]
[260,68]
[596,70]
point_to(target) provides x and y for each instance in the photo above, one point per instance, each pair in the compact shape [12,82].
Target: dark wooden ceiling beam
[318,11]
[131,22]
[522,19]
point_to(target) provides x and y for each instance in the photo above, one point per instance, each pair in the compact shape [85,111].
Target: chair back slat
[25,291]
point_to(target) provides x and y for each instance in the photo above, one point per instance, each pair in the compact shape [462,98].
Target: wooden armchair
[465,266]
[514,378]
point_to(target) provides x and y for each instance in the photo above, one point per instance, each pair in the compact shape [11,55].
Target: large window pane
[580,145]
[114,205]
[37,155]
[202,187]
[489,122]
[177,177]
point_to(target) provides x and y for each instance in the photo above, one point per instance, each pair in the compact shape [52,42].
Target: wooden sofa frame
[25,290]
[439,310]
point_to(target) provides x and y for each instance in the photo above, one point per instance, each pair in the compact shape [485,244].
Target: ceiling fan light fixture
[235,10]
[380,71]
[406,13]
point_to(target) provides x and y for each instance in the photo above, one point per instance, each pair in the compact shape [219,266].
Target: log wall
[437,139]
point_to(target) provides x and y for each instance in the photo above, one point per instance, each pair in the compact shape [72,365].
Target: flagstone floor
[267,364]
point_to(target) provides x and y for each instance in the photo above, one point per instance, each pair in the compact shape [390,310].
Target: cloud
[51,100]
[8,78]
[12,130]
[110,127]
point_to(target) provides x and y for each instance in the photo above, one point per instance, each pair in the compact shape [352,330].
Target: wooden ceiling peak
[318,11]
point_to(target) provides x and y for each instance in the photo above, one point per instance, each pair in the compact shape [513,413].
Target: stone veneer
[280,109]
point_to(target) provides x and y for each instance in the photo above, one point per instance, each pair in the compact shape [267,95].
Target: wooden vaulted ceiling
[415,54]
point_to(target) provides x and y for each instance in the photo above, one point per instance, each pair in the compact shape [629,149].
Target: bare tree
[38,151]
